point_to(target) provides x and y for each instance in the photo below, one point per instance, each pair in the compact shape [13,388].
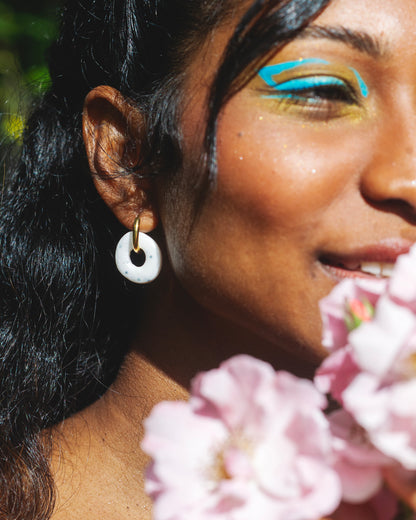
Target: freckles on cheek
[281,171]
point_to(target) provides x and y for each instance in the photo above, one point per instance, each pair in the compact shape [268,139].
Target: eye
[313,90]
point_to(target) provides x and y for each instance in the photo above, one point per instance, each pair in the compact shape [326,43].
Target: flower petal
[377,344]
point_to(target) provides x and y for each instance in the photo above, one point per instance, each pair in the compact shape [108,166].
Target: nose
[390,177]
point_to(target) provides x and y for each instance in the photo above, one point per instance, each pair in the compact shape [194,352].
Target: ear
[112,130]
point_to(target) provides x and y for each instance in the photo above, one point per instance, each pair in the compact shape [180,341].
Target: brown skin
[245,276]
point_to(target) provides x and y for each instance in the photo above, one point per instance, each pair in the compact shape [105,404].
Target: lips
[376,261]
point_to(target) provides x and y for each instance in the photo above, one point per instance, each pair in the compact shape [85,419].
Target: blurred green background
[27,27]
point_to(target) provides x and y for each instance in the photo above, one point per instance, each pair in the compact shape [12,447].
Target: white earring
[147,272]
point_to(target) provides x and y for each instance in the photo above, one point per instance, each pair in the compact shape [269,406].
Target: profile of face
[316,173]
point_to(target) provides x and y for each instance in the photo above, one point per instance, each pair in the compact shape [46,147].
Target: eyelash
[314,92]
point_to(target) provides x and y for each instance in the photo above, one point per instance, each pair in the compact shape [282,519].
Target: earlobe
[112,131]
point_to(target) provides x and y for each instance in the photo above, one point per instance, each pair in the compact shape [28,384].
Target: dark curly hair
[64,310]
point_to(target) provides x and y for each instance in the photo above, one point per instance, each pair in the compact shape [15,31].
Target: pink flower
[402,286]
[251,443]
[336,308]
[358,463]
[382,346]
[372,371]
[388,415]
[336,373]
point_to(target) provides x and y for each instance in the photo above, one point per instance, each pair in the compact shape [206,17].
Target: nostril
[403,208]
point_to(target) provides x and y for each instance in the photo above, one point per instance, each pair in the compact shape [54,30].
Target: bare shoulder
[95,475]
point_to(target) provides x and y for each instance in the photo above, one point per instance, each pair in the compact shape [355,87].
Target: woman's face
[316,172]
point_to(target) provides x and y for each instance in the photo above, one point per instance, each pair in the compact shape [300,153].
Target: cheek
[283,173]
[282,192]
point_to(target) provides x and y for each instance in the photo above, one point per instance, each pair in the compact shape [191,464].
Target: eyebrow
[358,40]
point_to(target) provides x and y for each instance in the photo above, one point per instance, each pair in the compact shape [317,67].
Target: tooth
[373,268]
[377,269]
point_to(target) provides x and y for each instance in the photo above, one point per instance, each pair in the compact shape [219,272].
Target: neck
[100,446]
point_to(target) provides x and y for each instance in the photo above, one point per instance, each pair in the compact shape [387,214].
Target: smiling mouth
[354,269]
[373,261]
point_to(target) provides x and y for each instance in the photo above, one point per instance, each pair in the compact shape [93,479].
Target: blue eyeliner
[269,73]
[299,84]
[363,86]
